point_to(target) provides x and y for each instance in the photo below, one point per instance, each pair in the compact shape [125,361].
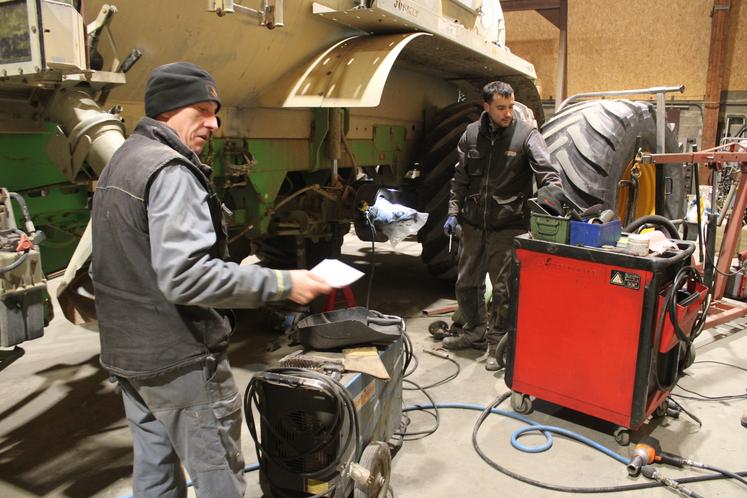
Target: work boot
[464,341]
[491,364]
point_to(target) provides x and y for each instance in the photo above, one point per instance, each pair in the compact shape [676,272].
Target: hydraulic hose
[15,264]
[492,408]
[546,430]
[24,212]
[654,219]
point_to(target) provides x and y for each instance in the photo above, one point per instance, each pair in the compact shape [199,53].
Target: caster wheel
[501,352]
[521,403]
[661,410]
[377,459]
[622,436]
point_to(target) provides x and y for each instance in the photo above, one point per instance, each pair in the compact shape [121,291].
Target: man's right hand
[450,226]
[305,286]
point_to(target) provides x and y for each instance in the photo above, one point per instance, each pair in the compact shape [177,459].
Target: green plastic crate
[550,228]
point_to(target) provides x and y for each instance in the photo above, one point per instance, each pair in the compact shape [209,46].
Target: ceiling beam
[549,9]
[512,5]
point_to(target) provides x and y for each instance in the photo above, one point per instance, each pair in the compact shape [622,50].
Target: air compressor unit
[592,330]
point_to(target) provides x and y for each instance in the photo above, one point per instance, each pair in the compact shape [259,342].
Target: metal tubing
[709,277]
[727,202]
[334,141]
[661,123]
[639,91]
[279,11]
[696,176]
[80,116]
[731,236]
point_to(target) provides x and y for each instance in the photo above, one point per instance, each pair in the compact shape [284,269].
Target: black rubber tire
[438,159]
[437,164]
[280,252]
[594,141]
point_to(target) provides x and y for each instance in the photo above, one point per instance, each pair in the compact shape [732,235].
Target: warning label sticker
[625,279]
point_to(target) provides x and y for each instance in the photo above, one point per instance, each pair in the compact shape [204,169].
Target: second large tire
[594,144]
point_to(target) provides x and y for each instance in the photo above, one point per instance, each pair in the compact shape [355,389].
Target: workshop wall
[632,44]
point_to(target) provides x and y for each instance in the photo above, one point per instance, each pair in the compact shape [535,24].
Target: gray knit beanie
[176,85]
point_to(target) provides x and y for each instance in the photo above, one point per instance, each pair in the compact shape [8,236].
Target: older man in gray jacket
[161,285]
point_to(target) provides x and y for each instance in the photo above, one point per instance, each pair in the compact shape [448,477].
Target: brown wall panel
[616,45]
[736,55]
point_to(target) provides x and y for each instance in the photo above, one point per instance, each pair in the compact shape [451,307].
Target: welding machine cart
[313,424]
[588,332]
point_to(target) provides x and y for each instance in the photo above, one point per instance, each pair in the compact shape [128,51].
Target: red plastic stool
[332,301]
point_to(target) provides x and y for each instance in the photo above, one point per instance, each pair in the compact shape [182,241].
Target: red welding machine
[590,330]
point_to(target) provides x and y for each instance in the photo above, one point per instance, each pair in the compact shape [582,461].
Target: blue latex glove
[450,226]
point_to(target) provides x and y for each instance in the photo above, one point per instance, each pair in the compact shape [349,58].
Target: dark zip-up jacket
[156,262]
[493,178]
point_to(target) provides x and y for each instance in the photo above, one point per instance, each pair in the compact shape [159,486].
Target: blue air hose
[546,430]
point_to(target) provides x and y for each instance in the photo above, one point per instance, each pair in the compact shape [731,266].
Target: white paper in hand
[336,273]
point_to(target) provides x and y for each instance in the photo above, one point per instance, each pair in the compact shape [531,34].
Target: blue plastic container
[595,234]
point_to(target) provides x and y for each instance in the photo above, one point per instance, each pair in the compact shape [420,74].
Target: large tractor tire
[437,164]
[595,144]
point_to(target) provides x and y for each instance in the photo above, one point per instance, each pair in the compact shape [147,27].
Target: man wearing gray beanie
[164,292]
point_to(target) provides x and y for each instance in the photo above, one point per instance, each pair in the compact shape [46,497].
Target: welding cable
[435,414]
[249,468]
[684,275]
[721,363]
[492,408]
[409,354]
[370,218]
[686,412]
[703,397]
[670,308]
[650,472]
[411,359]
[441,382]
[726,473]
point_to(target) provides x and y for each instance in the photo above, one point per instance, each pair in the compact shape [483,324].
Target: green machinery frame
[249,175]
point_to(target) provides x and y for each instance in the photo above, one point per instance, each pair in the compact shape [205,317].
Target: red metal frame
[722,310]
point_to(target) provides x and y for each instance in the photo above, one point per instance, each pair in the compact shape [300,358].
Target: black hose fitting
[654,219]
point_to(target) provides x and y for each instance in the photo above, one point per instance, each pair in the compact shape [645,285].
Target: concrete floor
[62,431]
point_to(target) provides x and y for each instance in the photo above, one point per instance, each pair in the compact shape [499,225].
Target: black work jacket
[142,333]
[493,178]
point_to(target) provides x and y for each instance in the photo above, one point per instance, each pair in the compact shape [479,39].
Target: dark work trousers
[191,417]
[484,252]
